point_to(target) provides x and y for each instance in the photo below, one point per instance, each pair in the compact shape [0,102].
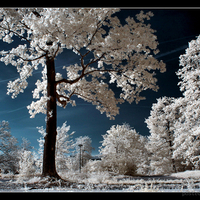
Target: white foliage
[9,155]
[187,132]
[124,53]
[123,150]
[63,146]
[26,164]
[180,118]
[161,124]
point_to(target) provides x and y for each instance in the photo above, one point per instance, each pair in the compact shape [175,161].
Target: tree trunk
[49,167]
[171,146]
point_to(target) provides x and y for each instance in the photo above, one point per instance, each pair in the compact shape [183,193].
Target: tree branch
[89,99]
[93,36]
[36,13]
[103,70]
[63,102]
[24,25]
[96,60]
[88,52]
[29,60]
[64,81]
[15,33]
[82,59]
[56,50]
[97,28]
[90,72]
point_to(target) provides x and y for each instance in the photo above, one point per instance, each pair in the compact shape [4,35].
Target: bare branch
[78,51]
[82,62]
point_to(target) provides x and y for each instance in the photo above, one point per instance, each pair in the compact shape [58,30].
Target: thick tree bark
[49,167]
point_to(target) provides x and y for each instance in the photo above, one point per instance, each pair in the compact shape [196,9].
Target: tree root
[49,182]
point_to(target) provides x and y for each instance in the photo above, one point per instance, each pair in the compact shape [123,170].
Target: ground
[188,181]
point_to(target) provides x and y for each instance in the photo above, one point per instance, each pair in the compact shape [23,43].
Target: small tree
[26,164]
[9,156]
[123,150]
[123,54]
[26,159]
[161,123]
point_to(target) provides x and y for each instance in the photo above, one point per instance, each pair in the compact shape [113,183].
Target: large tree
[120,54]
[187,132]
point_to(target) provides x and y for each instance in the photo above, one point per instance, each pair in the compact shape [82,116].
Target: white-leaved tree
[26,159]
[188,133]
[162,124]
[9,157]
[123,151]
[120,54]
[26,164]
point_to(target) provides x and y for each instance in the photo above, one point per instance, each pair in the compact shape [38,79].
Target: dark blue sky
[175,28]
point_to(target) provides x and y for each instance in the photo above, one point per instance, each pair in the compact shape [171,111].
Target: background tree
[64,145]
[26,159]
[26,145]
[86,151]
[123,151]
[123,55]
[9,156]
[161,124]
[187,132]
[26,164]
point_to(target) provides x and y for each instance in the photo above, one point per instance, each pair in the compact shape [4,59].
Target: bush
[113,165]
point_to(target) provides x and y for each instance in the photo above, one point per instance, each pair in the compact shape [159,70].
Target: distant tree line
[25,160]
